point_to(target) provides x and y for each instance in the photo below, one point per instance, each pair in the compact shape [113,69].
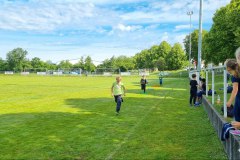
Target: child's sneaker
[117,113]
[197,104]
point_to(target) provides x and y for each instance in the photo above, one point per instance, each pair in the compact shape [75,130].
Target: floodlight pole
[225,92]
[213,87]
[206,83]
[190,39]
[200,38]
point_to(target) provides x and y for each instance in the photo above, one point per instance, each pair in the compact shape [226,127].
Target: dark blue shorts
[118,96]
[200,93]
[236,109]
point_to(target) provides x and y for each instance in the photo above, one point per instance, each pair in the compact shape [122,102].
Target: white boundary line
[119,146]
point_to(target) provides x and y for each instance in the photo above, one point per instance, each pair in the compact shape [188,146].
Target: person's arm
[112,90]
[233,94]
[197,84]
[236,124]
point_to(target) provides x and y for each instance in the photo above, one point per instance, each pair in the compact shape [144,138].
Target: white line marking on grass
[109,157]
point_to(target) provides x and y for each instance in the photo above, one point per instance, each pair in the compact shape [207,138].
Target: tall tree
[175,59]
[50,65]
[37,63]
[3,65]
[16,59]
[164,49]
[65,64]
[194,43]
[80,64]
[124,63]
[88,65]
[224,36]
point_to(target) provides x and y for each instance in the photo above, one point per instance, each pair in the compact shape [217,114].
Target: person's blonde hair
[237,54]
[233,65]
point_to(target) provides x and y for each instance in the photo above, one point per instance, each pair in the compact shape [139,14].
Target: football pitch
[51,117]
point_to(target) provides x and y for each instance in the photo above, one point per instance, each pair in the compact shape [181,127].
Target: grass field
[74,118]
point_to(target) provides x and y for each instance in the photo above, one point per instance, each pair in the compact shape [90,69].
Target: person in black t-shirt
[193,89]
[143,83]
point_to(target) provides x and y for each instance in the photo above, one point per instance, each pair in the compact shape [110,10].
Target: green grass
[218,84]
[74,118]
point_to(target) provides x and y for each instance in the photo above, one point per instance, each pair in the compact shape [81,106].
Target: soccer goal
[107,71]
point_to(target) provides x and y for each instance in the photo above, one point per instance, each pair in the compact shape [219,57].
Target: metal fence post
[213,89]
[225,92]
[206,83]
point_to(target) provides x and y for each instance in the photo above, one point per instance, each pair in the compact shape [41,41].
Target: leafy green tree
[140,59]
[50,65]
[124,63]
[160,64]
[175,59]
[65,64]
[194,43]
[37,63]
[26,65]
[108,63]
[224,36]
[164,49]
[3,65]
[16,59]
[88,64]
[80,64]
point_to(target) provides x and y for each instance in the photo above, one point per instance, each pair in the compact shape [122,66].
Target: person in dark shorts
[117,90]
[193,89]
[143,83]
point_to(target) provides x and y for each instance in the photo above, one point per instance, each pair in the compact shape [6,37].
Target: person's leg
[144,88]
[191,98]
[194,97]
[119,102]
[236,109]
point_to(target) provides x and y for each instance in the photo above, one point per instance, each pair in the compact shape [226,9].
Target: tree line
[161,56]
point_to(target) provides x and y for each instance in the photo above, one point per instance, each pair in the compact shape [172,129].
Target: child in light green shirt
[118,90]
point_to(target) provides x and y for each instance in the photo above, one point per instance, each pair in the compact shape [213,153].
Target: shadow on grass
[89,132]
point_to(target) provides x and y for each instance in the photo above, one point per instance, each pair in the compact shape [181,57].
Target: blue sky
[68,29]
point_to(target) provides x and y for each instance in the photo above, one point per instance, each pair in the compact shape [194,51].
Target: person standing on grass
[233,68]
[143,83]
[193,89]
[117,90]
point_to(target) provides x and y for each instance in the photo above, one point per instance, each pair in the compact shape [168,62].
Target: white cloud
[181,27]
[38,15]
[122,27]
